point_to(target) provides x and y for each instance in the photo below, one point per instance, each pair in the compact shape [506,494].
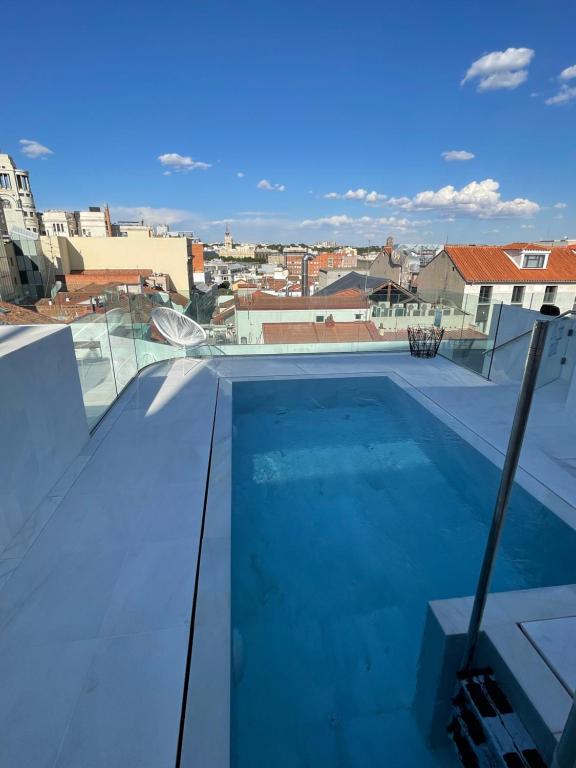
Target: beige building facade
[165,255]
[16,197]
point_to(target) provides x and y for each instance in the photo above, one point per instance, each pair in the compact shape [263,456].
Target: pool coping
[207,732]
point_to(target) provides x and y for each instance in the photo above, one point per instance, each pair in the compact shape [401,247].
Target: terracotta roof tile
[265,301]
[12,314]
[318,333]
[361,330]
[490,264]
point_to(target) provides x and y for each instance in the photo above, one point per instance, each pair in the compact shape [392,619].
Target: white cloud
[560,205]
[565,94]
[527,226]
[153,215]
[181,163]
[344,221]
[374,197]
[500,80]
[265,184]
[34,149]
[458,155]
[357,194]
[479,199]
[240,174]
[568,74]
[500,69]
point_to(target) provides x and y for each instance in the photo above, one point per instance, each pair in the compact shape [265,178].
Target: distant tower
[228,239]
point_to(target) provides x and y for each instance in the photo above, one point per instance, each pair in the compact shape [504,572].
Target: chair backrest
[178,329]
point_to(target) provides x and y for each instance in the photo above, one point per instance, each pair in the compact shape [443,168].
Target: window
[518,294]
[6,203]
[5,181]
[550,294]
[319,318]
[358,317]
[485,294]
[534,261]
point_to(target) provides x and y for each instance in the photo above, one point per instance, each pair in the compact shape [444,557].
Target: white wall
[42,415]
[249,322]
[533,295]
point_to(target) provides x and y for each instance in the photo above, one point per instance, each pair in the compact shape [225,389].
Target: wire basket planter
[424,340]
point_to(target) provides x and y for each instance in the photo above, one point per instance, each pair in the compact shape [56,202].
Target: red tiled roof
[78,279]
[12,314]
[319,333]
[490,264]
[360,330]
[222,314]
[263,301]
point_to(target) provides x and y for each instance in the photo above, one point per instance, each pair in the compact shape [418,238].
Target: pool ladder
[485,730]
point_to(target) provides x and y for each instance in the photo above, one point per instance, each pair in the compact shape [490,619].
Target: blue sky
[304,99]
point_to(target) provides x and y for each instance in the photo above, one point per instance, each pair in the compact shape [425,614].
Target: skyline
[304,123]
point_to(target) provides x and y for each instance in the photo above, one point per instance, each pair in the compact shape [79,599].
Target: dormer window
[533,261]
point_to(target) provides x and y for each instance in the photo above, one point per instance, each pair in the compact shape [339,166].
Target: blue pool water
[352,508]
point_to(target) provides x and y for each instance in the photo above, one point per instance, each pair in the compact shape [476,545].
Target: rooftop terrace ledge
[95,618]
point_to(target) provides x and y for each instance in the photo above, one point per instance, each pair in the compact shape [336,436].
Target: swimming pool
[352,507]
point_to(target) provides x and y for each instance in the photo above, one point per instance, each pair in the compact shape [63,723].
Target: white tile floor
[96,593]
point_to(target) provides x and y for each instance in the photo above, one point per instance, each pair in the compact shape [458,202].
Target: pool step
[486,731]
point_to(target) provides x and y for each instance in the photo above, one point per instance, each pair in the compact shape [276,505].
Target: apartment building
[16,197]
[178,257]
[523,274]
[95,222]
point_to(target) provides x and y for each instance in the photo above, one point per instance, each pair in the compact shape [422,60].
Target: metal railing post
[565,752]
[506,481]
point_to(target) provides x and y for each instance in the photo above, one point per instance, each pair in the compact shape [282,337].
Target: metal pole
[565,752]
[527,387]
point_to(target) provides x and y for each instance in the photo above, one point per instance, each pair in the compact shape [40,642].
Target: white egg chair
[178,329]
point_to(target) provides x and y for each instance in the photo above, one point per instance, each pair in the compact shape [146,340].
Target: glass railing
[118,338]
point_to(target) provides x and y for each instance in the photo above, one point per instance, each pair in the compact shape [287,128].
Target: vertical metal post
[565,752]
[517,432]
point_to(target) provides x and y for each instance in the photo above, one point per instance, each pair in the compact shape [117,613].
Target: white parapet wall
[42,416]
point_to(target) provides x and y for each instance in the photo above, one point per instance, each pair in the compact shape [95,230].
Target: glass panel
[94,358]
[121,335]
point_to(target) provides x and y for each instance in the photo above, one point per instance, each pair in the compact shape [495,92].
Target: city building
[277,259]
[10,286]
[478,277]
[253,311]
[397,263]
[232,250]
[95,222]
[179,257]
[16,197]
[328,276]
[137,229]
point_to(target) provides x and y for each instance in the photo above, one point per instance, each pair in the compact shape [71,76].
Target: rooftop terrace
[103,596]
